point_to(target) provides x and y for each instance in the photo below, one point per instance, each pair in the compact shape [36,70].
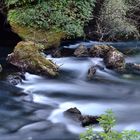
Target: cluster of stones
[112,58]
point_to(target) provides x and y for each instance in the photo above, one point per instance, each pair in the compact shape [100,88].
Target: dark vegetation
[103,20]
[7,37]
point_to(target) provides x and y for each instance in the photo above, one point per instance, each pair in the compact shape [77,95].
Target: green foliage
[88,134]
[107,121]
[18,2]
[69,16]
[113,21]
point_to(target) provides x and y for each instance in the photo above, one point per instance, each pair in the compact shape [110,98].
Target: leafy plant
[114,23]
[88,134]
[69,16]
[107,122]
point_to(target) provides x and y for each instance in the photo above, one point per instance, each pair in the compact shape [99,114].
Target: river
[33,110]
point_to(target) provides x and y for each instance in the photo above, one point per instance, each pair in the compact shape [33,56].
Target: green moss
[47,38]
[27,57]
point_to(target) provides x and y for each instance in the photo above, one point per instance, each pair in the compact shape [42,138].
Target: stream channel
[39,114]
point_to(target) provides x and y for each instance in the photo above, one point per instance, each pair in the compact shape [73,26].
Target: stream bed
[33,110]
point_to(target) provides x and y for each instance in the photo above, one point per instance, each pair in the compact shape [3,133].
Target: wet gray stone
[81,51]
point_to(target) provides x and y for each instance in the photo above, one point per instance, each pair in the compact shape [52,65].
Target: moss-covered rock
[50,39]
[69,16]
[27,57]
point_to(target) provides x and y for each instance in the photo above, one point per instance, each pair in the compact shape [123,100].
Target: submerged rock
[81,51]
[76,115]
[132,68]
[115,60]
[15,78]
[91,72]
[27,56]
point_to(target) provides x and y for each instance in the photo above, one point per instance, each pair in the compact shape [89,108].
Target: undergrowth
[107,121]
[69,16]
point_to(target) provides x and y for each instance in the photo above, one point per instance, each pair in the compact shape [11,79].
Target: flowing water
[39,114]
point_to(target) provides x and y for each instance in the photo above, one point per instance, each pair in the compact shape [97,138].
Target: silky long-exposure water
[38,113]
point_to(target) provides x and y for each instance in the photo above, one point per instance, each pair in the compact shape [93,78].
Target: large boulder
[50,39]
[27,56]
[115,60]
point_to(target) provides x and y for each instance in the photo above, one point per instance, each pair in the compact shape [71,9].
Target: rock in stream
[15,78]
[27,56]
[81,51]
[100,50]
[76,115]
[132,68]
[114,60]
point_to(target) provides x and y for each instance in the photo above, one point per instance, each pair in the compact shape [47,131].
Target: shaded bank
[102,20]
[8,39]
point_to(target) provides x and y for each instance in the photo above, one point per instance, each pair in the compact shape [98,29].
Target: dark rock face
[73,113]
[8,39]
[81,51]
[76,115]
